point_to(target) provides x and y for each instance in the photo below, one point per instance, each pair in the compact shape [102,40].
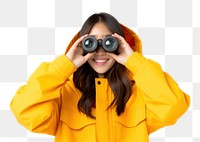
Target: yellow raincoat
[47,103]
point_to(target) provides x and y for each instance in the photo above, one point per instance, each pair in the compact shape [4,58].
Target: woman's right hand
[75,53]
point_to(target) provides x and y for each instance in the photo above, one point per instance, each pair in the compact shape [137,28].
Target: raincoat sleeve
[165,101]
[36,104]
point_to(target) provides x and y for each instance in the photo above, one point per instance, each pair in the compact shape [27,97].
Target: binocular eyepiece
[109,44]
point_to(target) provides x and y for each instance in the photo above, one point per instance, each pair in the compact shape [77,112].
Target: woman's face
[100,61]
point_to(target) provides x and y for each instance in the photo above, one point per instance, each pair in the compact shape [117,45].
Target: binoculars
[109,44]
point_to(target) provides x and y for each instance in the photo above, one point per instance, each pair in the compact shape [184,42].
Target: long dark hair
[84,76]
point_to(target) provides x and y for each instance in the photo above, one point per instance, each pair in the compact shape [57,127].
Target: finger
[112,55]
[89,55]
[123,43]
[76,43]
[118,37]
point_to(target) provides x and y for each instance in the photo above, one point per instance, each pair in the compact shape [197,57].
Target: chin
[100,71]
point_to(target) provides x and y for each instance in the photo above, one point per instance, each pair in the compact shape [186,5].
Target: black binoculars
[109,44]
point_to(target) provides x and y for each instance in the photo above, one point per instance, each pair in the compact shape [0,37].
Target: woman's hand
[75,53]
[124,50]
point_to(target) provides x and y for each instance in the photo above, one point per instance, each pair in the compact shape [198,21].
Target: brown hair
[84,76]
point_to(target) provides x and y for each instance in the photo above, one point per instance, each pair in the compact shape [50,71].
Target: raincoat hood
[130,36]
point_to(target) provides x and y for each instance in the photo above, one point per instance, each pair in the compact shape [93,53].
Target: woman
[100,96]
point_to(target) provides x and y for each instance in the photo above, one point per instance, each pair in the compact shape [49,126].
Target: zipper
[110,116]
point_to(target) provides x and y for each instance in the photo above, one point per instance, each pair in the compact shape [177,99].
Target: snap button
[98,82]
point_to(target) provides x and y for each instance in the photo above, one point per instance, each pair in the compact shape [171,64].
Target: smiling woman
[103,65]
[100,62]
[100,96]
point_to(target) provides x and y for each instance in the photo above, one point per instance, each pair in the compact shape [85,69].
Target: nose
[100,50]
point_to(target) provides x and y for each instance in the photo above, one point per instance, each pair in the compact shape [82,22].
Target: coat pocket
[70,114]
[76,126]
[132,117]
[75,119]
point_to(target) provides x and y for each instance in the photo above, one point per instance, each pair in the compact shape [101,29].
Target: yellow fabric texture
[47,103]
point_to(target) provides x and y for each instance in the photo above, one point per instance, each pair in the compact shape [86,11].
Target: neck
[101,75]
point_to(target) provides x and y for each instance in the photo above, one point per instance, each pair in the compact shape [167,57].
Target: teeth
[100,61]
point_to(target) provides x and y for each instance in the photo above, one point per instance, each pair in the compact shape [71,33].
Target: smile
[100,62]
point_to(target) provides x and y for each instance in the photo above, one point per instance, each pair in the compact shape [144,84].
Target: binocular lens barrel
[109,44]
[89,44]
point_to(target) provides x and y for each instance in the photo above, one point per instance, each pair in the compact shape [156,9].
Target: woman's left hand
[124,50]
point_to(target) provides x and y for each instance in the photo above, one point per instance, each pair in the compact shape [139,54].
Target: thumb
[88,55]
[113,55]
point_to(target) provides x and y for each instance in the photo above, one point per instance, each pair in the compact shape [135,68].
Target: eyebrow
[102,35]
